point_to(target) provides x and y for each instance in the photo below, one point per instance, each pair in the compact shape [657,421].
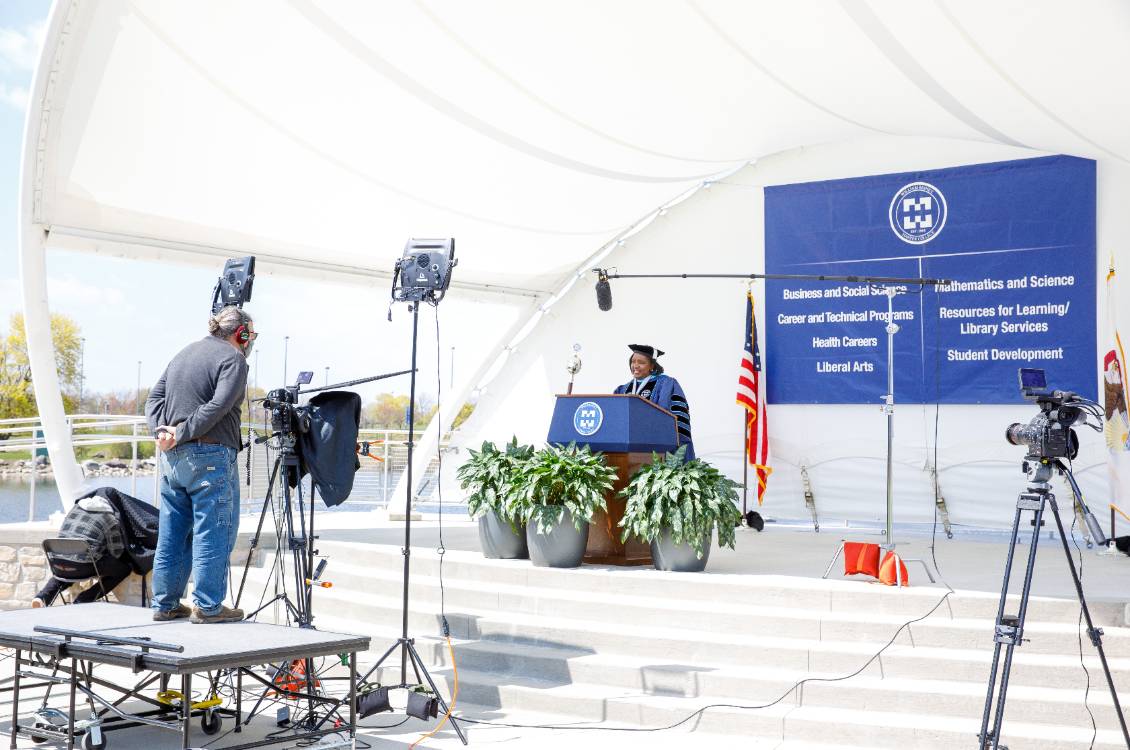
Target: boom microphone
[603,290]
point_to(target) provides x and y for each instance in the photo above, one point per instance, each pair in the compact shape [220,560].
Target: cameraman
[194,413]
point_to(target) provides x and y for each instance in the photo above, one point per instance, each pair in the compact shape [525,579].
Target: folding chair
[70,571]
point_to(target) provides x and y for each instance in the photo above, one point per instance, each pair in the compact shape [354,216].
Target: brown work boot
[226,614]
[178,613]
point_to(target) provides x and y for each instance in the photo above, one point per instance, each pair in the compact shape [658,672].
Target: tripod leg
[418,665]
[267,502]
[380,661]
[839,551]
[1008,630]
[1096,634]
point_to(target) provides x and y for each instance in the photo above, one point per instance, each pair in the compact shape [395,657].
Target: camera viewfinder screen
[1032,378]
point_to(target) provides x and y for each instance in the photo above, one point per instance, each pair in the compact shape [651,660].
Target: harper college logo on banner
[588,417]
[918,212]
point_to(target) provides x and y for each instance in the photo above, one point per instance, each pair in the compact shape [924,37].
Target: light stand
[405,644]
[421,275]
[888,408]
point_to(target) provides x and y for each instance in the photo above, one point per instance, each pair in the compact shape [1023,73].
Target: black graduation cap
[647,351]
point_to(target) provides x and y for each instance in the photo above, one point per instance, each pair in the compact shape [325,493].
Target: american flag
[751,396]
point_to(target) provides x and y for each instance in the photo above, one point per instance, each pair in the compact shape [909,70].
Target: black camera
[286,416]
[1049,434]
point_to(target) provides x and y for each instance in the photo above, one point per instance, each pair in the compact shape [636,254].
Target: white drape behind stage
[699,324]
[320,135]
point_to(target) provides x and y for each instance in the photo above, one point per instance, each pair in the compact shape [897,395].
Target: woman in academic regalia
[649,382]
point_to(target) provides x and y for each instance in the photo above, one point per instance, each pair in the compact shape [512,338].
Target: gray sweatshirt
[200,393]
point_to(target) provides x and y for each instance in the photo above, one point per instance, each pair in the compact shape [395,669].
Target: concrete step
[611,624]
[521,664]
[508,656]
[811,723]
[355,565]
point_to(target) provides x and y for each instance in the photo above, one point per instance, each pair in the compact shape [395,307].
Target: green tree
[17,398]
[387,412]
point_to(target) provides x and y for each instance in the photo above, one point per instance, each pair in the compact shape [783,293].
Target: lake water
[14,498]
[14,495]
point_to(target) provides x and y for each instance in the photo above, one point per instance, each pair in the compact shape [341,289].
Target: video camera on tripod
[282,404]
[1052,445]
[1050,433]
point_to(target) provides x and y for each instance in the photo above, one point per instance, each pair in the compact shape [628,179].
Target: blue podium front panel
[613,424]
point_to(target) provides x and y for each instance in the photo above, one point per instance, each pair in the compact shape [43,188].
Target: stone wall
[23,569]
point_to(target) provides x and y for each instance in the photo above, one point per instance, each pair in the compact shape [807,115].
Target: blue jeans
[199,523]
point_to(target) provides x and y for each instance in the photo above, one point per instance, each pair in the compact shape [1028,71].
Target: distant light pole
[256,369]
[327,374]
[137,399]
[81,369]
[286,346]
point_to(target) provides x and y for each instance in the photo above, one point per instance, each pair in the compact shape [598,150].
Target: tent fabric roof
[321,134]
[532,132]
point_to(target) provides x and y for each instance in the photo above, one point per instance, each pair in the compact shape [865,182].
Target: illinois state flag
[1116,426]
[751,396]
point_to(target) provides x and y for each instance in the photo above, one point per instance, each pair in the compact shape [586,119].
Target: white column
[33,264]
[41,355]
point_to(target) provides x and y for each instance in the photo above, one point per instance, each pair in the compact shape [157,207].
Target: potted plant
[488,473]
[556,493]
[675,505]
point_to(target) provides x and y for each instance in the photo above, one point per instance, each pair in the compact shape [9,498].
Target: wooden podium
[626,429]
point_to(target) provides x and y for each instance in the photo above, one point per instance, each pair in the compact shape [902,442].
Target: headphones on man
[242,334]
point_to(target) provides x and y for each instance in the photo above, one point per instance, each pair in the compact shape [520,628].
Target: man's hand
[166,437]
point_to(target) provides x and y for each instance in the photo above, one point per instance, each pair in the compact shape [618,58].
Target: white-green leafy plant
[488,474]
[557,479]
[688,497]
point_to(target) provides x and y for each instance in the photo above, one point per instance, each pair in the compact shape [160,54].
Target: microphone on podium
[603,290]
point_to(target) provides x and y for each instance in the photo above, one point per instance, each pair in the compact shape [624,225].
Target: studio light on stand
[421,276]
[233,288]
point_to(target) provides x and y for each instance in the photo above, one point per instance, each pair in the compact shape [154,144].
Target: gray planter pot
[562,547]
[498,540]
[679,557]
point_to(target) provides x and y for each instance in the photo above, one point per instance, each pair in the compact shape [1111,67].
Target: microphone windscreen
[603,295]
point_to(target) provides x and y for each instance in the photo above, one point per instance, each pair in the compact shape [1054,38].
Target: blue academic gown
[664,390]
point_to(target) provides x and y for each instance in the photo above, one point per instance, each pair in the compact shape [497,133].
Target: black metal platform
[85,635]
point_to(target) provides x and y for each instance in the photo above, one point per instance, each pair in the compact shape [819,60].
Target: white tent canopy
[323,134]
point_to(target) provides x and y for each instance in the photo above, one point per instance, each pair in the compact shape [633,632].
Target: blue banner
[1016,238]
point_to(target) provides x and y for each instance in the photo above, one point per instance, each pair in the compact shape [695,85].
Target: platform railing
[26,434]
[373,484]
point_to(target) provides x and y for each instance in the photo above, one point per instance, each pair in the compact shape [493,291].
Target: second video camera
[1049,434]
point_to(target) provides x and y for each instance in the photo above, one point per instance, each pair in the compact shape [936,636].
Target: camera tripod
[301,548]
[1009,629]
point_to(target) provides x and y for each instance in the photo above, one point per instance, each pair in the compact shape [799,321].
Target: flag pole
[745,460]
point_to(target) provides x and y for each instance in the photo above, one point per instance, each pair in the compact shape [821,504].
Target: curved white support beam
[33,264]
[450,405]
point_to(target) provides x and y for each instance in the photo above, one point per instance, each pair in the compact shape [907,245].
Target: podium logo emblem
[588,418]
